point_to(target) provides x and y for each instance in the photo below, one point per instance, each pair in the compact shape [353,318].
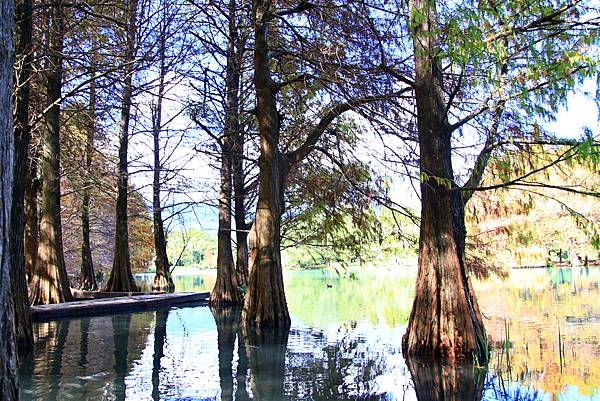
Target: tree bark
[235,59]
[162,279]
[265,303]
[50,283]
[32,227]
[241,227]
[9,384]
[226,291]
[445,320]
[121,278]
[22,136]
[87,278]
[227,287]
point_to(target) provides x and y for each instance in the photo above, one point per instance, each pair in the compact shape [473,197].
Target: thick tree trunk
[227,321]
[121,278]
[445,320]
[22,135]
[265,303]
[226,291]
[227,287]
[50,283]
[445,382]
[160,339]
[9,385]
[87,278]
[235,60]
[241,233]
[32,226]
[241,266]
[162,279]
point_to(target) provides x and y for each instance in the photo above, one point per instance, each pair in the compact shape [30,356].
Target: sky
[580,112]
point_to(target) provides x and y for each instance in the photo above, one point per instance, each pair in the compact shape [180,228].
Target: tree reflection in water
[449,382]
[435,381]
[160,338]
[227,321]
[266,350]
[121,327]
[342,370]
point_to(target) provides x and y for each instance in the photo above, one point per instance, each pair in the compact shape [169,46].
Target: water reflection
[228,328]
[348,351]
[449,382]
[83,359]
[160,339]
[296,364]
[266,351]
[121,328]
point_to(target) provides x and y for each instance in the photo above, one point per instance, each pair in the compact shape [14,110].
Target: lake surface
[344,344]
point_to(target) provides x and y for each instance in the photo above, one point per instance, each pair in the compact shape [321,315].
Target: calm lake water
[344,344]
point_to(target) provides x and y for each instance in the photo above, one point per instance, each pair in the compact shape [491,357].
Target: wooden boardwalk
[104,306]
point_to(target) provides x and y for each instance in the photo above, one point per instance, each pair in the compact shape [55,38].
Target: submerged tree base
[445,321]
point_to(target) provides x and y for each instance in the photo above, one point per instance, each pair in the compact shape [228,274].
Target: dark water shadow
[121,327]
[435,381]
[260,359]
[160,340]
[228,325]
[266,351]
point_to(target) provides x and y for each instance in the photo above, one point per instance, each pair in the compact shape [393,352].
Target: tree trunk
[160,339]
[241,233]
[265,303]
[121,278]
[162,279]
[226,291]
[445,320]
[50,283]
[87,278]
[9,384]
[227,287]
[235,60]
[22,135]
[32,226]
[445,382]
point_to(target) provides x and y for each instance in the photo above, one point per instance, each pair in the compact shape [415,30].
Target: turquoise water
[344,344]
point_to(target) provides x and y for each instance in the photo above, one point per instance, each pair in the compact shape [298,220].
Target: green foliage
[191,248]
[348,245]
